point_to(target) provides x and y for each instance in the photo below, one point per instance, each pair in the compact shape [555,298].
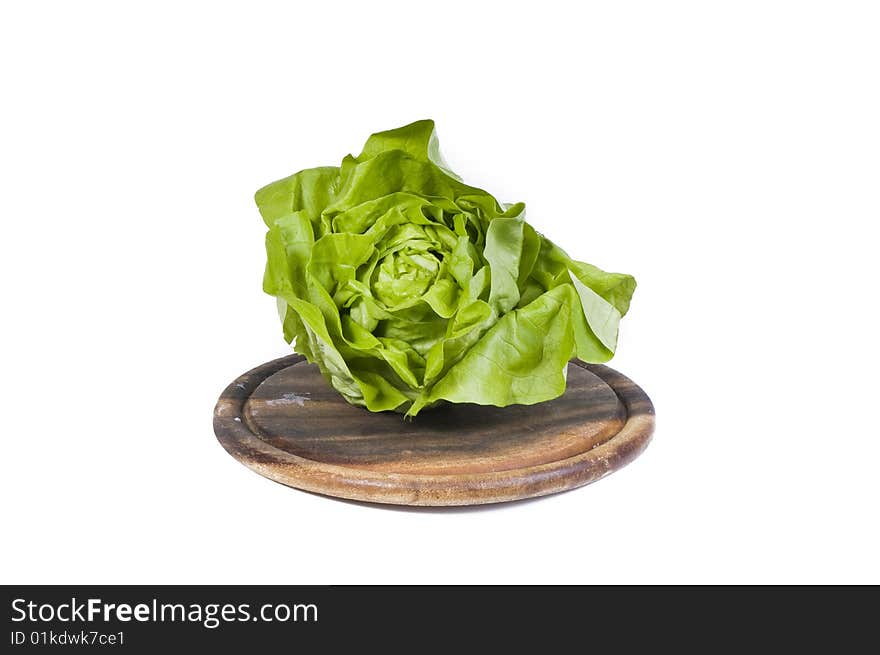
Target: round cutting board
[286,423]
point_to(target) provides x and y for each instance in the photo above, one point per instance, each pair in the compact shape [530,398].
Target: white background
[726,154]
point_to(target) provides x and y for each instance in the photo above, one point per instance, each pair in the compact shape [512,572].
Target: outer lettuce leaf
[409,288]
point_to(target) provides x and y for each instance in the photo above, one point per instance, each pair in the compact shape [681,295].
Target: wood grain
[285,422]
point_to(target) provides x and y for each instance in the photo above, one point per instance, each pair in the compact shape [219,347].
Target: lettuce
[407,287]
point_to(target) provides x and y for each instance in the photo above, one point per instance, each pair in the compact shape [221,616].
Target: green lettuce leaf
[409,288]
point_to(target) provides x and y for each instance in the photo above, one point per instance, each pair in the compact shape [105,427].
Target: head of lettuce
[407,287]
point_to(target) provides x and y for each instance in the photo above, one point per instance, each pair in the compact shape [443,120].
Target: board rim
[431,490]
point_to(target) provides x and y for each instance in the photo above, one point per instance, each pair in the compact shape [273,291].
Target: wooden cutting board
[286,423]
